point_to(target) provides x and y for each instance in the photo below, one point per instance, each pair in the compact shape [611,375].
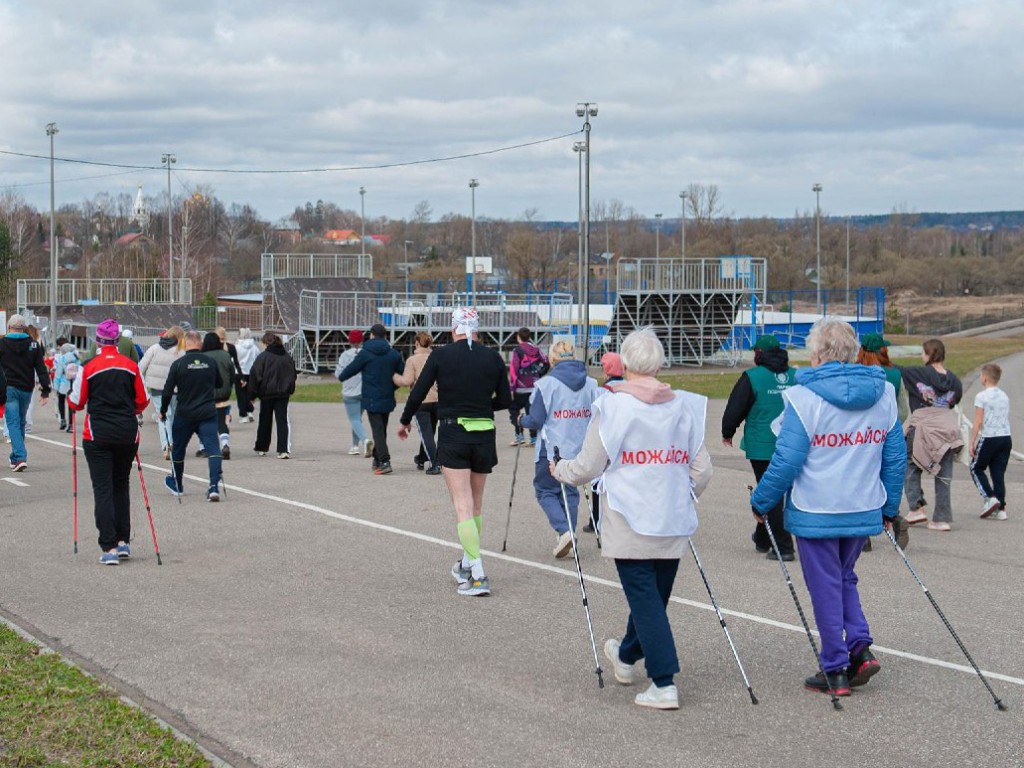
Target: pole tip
[836,704]
[753,699]
[1000,706]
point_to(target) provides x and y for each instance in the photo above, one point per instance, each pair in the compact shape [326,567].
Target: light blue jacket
[849,387]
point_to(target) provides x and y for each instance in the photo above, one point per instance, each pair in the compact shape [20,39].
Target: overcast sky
[887,104]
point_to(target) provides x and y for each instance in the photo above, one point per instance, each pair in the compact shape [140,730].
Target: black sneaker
[383,469]
[862,667]
[867,545]
[901,531]
[837,682]
[419,465]
[434,470]
[201,453]
[760,548]
[225,453]
[787,557]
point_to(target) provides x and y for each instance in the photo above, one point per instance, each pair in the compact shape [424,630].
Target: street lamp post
[816,189]
[579,148]
[473,184]
[586,110]
[847,264]
[657,235]
[362,227]
[682,226]
[168,160]
[51,131]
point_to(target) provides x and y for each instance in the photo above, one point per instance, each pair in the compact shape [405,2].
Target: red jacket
[111,388]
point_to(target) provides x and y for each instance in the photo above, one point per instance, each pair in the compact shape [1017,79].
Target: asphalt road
[310,620]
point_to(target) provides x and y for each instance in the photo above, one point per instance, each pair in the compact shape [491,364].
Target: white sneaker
[623,671]
[1000,515]
[659,698]
[355,450]
[368,448]
[989,506]
[564,545]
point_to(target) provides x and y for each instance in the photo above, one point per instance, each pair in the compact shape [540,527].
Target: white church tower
[140,213]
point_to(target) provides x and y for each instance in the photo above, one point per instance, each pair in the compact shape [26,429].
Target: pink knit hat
[611,364]
[108,332]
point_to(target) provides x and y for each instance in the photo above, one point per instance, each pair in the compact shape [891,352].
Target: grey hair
[244,333]
[642,352]
[832,341]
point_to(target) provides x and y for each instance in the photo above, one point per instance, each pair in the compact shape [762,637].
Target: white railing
[722,275]
[36,293]
[280,265]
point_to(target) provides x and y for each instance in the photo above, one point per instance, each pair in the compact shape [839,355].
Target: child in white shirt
[990,442]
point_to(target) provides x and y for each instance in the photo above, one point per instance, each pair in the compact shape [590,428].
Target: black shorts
[458,449]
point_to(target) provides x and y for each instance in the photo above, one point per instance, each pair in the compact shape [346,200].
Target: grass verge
[52,714]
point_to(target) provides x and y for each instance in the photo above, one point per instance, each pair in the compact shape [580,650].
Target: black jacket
[195,377]
[472,382]
[378,362]
[272,374]
[21,357]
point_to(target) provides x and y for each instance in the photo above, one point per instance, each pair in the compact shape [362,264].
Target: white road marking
[12,481]
[563,572]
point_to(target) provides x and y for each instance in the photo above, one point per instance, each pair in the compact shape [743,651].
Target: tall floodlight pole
[51,131]
[657,235]
[816,189]
[682,226]
[586,110]
[579,148]
[847,264]
[362,228]
[473,184]
[168,160]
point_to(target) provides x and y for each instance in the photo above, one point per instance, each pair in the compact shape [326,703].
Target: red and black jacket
[110,387]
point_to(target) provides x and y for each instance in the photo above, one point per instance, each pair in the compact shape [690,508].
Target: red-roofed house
[342,236]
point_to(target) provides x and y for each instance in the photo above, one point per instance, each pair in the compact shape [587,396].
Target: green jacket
[758,439]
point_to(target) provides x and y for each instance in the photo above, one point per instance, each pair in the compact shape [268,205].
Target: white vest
[845,453]
[650,448]
[568,416]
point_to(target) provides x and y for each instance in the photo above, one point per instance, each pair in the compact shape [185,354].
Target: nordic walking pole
[511,495]
[721,620]
[174,472]
[799,609]
[74,481]
[593,520]
[149,512]
[999,704]
[583,587]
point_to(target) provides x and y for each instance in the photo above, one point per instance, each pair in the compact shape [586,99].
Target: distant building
[341,237]
[140,213]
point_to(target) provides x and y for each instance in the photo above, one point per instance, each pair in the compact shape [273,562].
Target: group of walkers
[828,447]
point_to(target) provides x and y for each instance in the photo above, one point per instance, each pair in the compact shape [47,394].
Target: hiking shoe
[419,465]
[124,551]
[259,452]
[383,469]
[517,441]
[225,452]
[836,681]
[917,516]
[172,485]
[867,545]
[659,698]
[944,527]
[623,672]
[862,667]
[1000,515]
[588,528]
[989,506]
[212,493]
[63,426]
[475,587]
[460,573]
[761,549]
[436,470]
[201,453]
[283,455]
[901,531]
[368,448]
[110,558]
[533,442]
[564,545]
[19,466]
[355,450]
[787,557]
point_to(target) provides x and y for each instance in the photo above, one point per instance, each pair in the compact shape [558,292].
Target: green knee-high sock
[469,536]
[479,520]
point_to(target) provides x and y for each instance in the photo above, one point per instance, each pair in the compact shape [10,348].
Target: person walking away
[33,333]
[214,348]
[526,366]
[649,507]
[111,391]
[21,358]
[156,362]
[352,396]
[472,383]
[990,442]
[874,350]
[426,416]
[272,382]
[126,346]
[195,378]
[839,463]
[611,364]
[756,401]
[933,434]
[66,367]
[378,362]
[560,409]
[236,372]
[247,351]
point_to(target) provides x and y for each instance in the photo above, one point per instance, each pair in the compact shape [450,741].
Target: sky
[887,105]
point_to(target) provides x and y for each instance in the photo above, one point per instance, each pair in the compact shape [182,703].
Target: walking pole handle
[557,457]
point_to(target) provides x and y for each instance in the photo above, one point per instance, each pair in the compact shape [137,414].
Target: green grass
[51,714]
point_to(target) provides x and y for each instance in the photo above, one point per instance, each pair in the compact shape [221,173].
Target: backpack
[532,366]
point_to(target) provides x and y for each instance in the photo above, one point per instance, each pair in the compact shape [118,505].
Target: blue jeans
[354,409]
[647,585]
[828,573]
[181,433]
[17,411]
[549,496]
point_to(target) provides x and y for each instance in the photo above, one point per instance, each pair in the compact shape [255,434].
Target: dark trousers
[61,399]
[520,402]
[379,430]
[776,517]
[242,396]
[273,409]
[222,421]
[648,586]
[426,421]
[181,433]
[993,455]
[110,469]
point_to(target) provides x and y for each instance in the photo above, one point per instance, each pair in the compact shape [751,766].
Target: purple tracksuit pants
[828,572]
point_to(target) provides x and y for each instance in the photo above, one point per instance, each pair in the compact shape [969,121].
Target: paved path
[310,620]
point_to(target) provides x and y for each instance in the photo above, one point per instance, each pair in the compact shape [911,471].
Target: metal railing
[281,265]
[36,293]
[741,274]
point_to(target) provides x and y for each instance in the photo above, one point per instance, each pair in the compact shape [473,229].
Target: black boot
[837,683]
[862,666]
